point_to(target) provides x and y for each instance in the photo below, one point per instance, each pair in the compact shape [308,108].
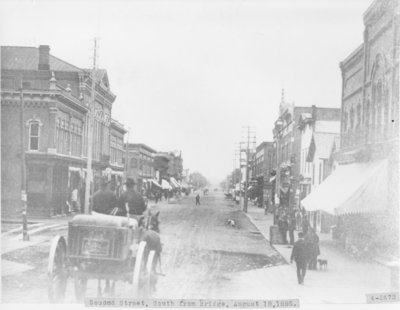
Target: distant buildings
[140,165]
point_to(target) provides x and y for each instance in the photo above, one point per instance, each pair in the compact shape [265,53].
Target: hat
[130,182]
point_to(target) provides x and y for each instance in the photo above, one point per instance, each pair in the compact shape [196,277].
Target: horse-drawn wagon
[104,247]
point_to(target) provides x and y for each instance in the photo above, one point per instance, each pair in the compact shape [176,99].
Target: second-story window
[34,135]
[133,163]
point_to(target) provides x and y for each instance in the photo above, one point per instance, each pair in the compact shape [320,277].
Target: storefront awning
[353,188]
[165,184]
[155,183]
[184,184]
[174,183]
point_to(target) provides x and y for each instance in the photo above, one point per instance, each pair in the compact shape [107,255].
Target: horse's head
[150,221]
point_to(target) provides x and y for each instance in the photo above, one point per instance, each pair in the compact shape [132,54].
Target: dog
[231,223]
[323,263]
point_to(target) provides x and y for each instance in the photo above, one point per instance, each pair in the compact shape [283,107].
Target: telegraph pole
[240,150]
[89,173]
[25,235]
[249,133]
[127,155]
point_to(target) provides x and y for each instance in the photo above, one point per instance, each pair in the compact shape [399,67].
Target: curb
[265,237]
[33,230]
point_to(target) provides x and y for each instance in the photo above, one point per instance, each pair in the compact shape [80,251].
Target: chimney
[44,57]
[314,113]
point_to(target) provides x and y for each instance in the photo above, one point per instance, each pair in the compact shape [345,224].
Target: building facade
[362,192]
[140,163]
[287,150]
[263,166]
[45,101]
[319,131]
[370,122]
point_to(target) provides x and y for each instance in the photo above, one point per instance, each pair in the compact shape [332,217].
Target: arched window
[34,135]
[366,113]
[386,120]
[358,115]
[379,108]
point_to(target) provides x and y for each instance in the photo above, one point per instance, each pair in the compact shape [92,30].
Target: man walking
[299,255]
[197,200]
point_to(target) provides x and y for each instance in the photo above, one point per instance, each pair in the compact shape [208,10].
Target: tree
[198,180]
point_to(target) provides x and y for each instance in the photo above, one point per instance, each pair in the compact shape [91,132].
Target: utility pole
[248,138]
[89,173]
[240,150]
[127,155]
[25,235]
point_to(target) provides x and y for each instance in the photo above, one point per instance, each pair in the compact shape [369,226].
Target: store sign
[102,117]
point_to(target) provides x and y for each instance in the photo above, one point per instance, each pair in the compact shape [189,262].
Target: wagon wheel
[140,268]
[151,271]
[57,270]
[80,288]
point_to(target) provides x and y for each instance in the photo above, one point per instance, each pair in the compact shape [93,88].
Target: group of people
[287,224]
[105,201]
[306,249]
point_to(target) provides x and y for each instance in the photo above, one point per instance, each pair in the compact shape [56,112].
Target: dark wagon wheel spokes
[57,270]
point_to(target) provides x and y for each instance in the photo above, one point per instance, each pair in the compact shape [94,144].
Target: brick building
[319,131]
[287,143]
[363,191]
[263,166]
[141,163]
[288,148]
[55,98]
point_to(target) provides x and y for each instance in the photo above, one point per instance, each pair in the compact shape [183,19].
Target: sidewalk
[345,281]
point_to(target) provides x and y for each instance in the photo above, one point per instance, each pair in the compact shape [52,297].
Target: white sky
[189,74]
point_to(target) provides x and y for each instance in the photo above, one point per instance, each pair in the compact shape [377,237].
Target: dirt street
[200,253]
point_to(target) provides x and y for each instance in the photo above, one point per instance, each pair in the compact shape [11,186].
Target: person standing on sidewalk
[292,227]
[283,228]
[300,256]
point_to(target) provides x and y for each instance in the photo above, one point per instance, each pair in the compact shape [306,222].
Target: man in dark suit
[300,256]
[104,200]
[131,201]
